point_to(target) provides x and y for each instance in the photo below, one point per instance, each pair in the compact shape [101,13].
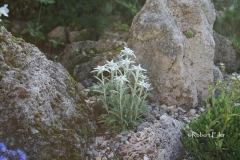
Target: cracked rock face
[41,110]
[173,41]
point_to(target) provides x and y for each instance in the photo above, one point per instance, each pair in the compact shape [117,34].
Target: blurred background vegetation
[96,14]
[44,15]
[228,20]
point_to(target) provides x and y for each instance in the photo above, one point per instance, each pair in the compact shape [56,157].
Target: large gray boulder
[225,53]
[41,109]
[173,41]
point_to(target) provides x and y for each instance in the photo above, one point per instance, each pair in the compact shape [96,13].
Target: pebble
[175,110]
[182,110]
[104,158]
[87,82]
[172,107]
[95,153]
[156,108]
[89,153]
[201,109]
[123,139]
[111,155]
[117,145]
[86,90]
[164,107]
[98,158]
[151,118]
[192,112]
[129,135]
[158,116]
[154,112]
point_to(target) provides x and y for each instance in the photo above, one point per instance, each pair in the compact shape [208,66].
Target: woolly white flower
[112,66]
[121,79]
[144,84]
[127,52]
[138,68]
[4,10]
[100,69]
[126,62]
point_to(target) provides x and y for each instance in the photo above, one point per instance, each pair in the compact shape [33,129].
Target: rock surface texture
[225,53]
[41,110]
[158,142]
[173,41]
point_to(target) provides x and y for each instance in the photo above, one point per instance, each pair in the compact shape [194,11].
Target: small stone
[98,158]
[111,155]
[154,112]
[104,158]
[175,110]
[172,107]
[185,119]
[145,157]
[58,34]
[149,108]
[129,134]
[191,118]
[151,118]
[156,108]
[158,116]
[201,109]
[117,145]
[192,112]
[123,139]
[94,153]
[80,86]
[86,90]
[182,110]
[89,153]
[143,125]
[164,107]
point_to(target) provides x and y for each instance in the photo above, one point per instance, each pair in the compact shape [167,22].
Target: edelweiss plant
[123,91]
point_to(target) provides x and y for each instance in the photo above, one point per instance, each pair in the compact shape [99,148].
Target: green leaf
[38,28]
[25,30]
[46,1]
[32,33]
[40,35]
[107,8]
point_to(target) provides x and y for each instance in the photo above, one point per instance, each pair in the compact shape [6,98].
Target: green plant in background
[44,15]
[236,43]
[54,44]
[228,20]
[4,23]
[123,92]
[215,135]
[34,31]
